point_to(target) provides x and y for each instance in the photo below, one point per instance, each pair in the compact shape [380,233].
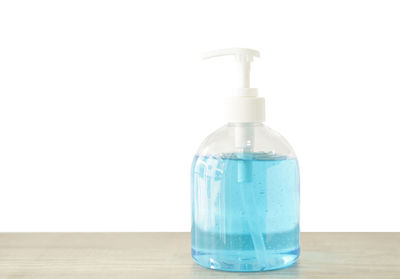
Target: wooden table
[167,255]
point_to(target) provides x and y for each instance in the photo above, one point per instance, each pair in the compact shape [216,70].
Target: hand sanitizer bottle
[245,187]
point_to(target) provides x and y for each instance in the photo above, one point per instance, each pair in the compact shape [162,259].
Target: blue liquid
[245,211]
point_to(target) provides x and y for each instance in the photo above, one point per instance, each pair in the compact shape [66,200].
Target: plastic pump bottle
[245,187]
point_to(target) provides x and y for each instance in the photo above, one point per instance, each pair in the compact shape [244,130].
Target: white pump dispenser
[245,107]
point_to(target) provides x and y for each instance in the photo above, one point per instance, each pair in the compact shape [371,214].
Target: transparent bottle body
[245,200]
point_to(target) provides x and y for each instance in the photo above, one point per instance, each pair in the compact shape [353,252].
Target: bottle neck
[244,135]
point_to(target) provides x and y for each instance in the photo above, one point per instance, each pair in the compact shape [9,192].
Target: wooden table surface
[167,255]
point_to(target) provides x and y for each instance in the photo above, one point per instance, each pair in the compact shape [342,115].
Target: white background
[104,103]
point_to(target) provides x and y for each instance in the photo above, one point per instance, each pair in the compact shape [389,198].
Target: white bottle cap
[245,107]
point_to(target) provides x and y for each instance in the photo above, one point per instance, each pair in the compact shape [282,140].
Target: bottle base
[239,262]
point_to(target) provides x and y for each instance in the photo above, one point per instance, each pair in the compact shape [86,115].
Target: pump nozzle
[245,107]
[244,57]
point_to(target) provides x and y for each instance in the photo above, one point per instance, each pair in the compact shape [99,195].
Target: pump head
[244,57]
[246,107]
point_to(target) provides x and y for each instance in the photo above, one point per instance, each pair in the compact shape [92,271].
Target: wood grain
[167,255]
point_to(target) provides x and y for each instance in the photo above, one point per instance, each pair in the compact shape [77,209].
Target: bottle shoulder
[233,138]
